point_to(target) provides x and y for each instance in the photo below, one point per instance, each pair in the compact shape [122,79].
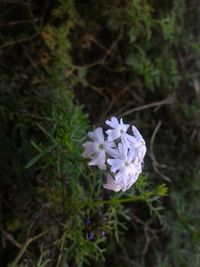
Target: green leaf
[44,131]
[33,161]
[36,146]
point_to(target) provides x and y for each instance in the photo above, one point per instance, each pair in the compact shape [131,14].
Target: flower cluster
[119,154]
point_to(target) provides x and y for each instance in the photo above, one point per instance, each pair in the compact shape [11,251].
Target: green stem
[114,200]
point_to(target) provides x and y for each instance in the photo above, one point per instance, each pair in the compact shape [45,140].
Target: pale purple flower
[131,178]
[120,184]
[123,161]
[139,143]
[112,184]
[119,130]
[126,166]
[121,154]
[97,148]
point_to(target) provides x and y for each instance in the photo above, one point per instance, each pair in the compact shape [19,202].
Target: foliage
[64,192]
[112,56]
[183,227]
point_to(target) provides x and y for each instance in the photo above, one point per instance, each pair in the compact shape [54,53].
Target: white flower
[119,130]
[124,154]
[126,167]
[138,143]
[96,150]
[121,184]
[131,177]
[112,184]
[123,160]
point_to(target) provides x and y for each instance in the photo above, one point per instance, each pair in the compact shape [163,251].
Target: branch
[166,101]
[155,163]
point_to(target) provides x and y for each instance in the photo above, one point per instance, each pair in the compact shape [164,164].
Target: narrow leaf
[33,161]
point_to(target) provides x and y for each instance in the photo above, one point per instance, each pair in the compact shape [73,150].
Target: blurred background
[65,67]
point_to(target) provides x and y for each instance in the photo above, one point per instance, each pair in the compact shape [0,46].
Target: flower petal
[99,159]
[125,145]
[113,185]
[141,151]
[112,152]
[123,126]
[90,149]
[98,134]
[91,135]
[116,164]
[113,134]
[131,154]
[113,122]
[131,180]
[137,133]
[110,144]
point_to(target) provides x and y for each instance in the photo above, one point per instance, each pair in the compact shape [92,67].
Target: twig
[10,238]
[112,47]
[101,61]
[147,229]
[61,250]
[150,234]
[112,102]
[25,246]
[22,40]
[166,101]
[155,163]
[30,59]
[152,141]
[12,23]
[95,41]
